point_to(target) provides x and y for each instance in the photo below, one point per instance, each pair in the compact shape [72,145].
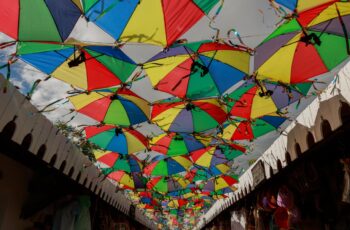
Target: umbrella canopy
[240,129]
[119,107]
[89,67]
[117,162]
[188,116]
[313,43]
[198,70]
[116,139]
[208,157]
[219,183]
[253,100]
[175,144]
[204,174]
[167,184]
[302,5]
[124,179]
[168,166]
[158,22]
[38,20]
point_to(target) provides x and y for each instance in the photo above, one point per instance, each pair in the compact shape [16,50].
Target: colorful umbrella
[116,139]
[168,166]
[158,22]
[188,116]
[240,129]
[124,179]
[89,67]
[208,157]
[175,144]
[253,100]
[302,5]
[219,183]
[167,184]
[117,162]
[313,43]
[119,107]
[198,70]
[38,20]
[204,174]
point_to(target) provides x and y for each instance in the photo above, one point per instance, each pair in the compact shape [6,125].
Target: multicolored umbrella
[124,179]
[254,100]
[119,107]
[188,116]
[208,157]
[302,5]
[240,129]
[219,183]
[116,139]
[168,166]
[117,162]
[89,67]
[198,70]
[176,144]
[204,174]
[313,43]
[158,22]
[38,20]
[167,184]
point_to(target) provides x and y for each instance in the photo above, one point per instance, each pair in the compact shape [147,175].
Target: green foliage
[77,137]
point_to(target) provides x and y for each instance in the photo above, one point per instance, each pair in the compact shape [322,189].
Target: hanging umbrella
[313,43]
[89,67]
[168,166]
[38,20]
[198,70]
[219,183]
[188,116]
[124,179]
[240,129]
[204,174]
[302,5]
[119,107]
[156,22]
[232,150]
[117,162]
[167,184]
[116,139]
[208,157]
[253,100]
[175,144]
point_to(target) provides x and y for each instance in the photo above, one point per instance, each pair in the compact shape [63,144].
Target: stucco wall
[13,192]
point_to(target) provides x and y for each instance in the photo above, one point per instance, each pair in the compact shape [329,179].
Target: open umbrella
[124,179]
[119,107]
[313,43]
[167,184]
[302,5]
[198,70]
[188,116]
[240,129]
[158,22]
[204,174]
[219,183]
[116,139]
[117,162]
[38,20]
[253,100]
[208,157]
[88,67]
[175,144]
[168,166]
